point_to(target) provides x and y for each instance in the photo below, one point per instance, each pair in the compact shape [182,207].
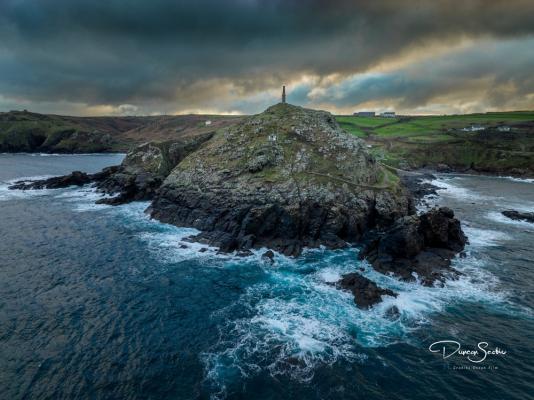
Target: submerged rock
[423,245]
[366,292]
[284,179]
[519,215]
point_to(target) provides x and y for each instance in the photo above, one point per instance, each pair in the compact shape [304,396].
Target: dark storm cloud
[157,52]
[498,73]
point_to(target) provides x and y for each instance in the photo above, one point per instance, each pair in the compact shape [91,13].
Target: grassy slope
[31,132]
[412,142]
[406,142]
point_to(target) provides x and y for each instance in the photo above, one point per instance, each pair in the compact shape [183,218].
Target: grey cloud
[495,74]
[154,52]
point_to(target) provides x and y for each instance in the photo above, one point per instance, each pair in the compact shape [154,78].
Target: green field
[427,141]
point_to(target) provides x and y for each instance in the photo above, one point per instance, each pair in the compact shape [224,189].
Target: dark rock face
[76,178]
[519,216]
[423,245]
[366,292]
[284,179]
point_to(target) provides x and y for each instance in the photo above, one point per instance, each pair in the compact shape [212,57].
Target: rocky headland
[285,179]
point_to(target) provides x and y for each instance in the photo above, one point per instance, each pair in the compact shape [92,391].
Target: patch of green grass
[431,138]
[353,129]
[366,122]
[403,129]
[420,141]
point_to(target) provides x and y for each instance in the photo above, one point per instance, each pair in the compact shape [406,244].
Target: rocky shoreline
[287,179]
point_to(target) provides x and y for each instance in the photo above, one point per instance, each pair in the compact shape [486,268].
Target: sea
[101,302]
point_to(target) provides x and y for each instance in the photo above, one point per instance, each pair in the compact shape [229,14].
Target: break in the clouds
[142,57]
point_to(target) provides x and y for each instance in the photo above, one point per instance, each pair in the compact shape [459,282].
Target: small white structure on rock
[208,122]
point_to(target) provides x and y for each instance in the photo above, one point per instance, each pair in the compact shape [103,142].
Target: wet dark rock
[268,255]
[519,215]
[422,245]
[75,178]
[393,313]
[366,292]
[418,183]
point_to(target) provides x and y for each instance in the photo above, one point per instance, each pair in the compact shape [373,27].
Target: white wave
[82,199]
[479,237]
[515,179]
[296,319]
[449,188]
[170,247]
[69,154]
[15,194]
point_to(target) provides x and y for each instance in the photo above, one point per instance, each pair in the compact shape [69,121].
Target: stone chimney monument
[283,94]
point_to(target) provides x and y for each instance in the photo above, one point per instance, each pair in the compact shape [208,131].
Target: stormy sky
[138,57]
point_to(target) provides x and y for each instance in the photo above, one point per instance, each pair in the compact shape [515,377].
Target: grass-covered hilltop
[493,143]
[286,178]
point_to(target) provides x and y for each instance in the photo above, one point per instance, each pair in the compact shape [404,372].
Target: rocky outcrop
[417,245]
[419,184]
[284,179]
[144,169]
[519,215]
[138,177]
[366,292]
[75,178]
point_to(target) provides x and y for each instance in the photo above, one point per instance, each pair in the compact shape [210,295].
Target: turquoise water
[102,302]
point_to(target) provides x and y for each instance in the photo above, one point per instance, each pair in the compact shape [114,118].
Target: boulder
[366,292]
[268,255]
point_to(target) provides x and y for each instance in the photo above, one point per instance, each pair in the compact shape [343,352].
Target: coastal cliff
[285,179]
